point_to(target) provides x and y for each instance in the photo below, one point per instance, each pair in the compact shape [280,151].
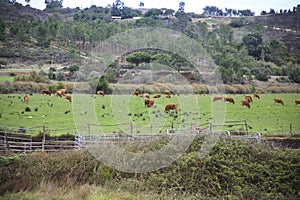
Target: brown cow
[26,99]
[157,96]
[167,92]
[151,103]
[168,96]
[245,102]
[100,92]
[145,95]
[59,93]
[68,97]
[147,101]
[248,98]
[256,95]
[278,100]
[47,92]
[297,101]
[171,107]
[135,92]
[217,98]
[63,91]
[229,99]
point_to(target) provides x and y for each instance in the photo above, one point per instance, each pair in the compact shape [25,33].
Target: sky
[190,5]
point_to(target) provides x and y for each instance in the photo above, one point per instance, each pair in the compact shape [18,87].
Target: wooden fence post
[291,130]
[44,138]
[246,126]
[5,140]
[89,130]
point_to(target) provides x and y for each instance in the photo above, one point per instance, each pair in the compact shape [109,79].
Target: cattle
[59,93]
[135,92]
[157,96]
[245,102]
[100,92]
[151,103]
[248,98]
[217,98]
[63,91]
[167,92]
[68,97]
[26,99]
[47,92]
[168,96]
[146,101]
[256,95]
[297,101]
[171,107]
[278,100]
[229,99]
[145,95]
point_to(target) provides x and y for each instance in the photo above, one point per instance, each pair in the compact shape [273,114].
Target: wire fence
[39,138]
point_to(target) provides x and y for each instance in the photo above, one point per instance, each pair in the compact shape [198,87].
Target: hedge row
[33,87]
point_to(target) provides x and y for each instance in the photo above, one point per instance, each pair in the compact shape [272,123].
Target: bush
[234,168]
[6,87]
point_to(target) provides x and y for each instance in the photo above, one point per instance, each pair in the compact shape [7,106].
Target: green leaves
[138,58]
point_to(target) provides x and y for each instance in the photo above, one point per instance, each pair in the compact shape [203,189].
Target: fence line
[12,140]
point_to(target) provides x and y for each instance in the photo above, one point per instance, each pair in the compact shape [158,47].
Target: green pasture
[6,78]
[131,115]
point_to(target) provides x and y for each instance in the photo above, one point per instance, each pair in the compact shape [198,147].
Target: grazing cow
[217,98]
[297,101]
[278,100]
[256,95]
[145,95]
[171,107]
[168,96]
[59,93]
[167,92]
[68,97]
[157,96]
[100,92]
[177,93]
[63,91]
[47,92]
[26,99]
[245,102]
[229,99]
[149,102]
[135,92]
[248,98]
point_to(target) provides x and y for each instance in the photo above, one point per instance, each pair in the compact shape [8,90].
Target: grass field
[7,78]
[57,114]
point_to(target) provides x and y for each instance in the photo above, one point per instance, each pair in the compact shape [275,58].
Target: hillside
[66,37]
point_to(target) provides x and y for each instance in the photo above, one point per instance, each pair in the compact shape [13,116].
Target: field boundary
[21,140]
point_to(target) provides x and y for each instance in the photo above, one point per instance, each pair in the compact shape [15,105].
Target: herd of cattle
[150,102]
[248,100]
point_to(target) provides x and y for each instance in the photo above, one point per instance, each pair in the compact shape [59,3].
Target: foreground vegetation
[234,169]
